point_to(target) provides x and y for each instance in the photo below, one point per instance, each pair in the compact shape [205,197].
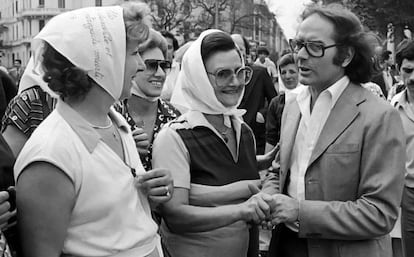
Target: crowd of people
[129,145]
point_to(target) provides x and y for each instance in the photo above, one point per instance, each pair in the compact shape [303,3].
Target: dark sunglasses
[153,64]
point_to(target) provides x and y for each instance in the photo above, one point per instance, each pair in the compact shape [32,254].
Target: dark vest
[212,164]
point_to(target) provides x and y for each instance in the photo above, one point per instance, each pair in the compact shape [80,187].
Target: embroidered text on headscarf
[99,48]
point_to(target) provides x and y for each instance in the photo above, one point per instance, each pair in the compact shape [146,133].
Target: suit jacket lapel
[341,116]
[289,128]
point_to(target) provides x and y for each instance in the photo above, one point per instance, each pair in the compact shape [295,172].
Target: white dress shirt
[310,127]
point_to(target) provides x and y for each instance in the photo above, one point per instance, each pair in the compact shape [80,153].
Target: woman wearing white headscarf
[210,152]
[77,195]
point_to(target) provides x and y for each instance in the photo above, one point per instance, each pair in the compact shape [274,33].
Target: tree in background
[169,14]
[377,14]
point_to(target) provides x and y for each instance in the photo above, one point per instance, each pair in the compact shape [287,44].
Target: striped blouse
[28,109]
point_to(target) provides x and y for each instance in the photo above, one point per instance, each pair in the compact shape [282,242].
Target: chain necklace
[106,127]
[224,134]
[102,127]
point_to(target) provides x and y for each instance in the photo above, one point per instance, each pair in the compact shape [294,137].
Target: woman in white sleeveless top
[77,192]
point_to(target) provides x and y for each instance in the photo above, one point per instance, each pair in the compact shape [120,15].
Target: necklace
[224,134]
[114,132]
[102,127]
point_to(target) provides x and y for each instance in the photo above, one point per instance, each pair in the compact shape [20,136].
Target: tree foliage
[377,14]
[169,14]
[194,16]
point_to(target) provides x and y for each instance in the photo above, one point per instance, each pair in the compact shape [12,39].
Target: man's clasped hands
[269,210]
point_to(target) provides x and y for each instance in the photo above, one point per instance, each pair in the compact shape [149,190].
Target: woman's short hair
[136,21]
[286,59]
[216,42]
[348,33]
[156,40]
[69,81]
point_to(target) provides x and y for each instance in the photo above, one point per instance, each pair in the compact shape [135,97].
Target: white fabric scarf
[31,78]
[196,87]
[93,39]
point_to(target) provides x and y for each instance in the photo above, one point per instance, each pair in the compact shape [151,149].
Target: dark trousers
[407,221]
[286,243]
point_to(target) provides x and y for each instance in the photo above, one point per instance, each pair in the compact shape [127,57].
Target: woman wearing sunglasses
[210,152]
[145,111]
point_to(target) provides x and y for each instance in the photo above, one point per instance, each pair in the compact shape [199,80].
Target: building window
[41,24]
[41,3]
[17,9]
[61,3]
[98,2]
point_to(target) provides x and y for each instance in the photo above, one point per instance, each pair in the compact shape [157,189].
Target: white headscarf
[196,87]
[93,39]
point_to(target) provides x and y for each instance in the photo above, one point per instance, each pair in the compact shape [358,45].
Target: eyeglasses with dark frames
[223,77]
[314,49]
[153,64]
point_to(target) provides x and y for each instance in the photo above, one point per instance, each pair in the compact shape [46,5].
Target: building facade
[21,20]
[251,18]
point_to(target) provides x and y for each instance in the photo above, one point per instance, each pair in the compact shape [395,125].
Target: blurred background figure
[17,71]
[8,90]
[264,61]
[383,77]
[403,102]
[9,243]
[289,81]
[34,102]
[172,45]
[2,68]
[257,95]
[169,88]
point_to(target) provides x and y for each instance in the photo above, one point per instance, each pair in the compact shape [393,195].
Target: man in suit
[342,148]
[257,95]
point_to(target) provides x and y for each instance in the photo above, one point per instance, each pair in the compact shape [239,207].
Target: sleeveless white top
[110,217]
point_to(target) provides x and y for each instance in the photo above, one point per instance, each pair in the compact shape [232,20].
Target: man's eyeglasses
[153,64]
[314,49]
[225,76]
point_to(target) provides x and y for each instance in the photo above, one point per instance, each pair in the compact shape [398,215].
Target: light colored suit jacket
[354,181]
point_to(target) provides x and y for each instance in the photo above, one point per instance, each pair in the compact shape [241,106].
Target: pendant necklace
[102,127]
[105,127]
[224,134]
